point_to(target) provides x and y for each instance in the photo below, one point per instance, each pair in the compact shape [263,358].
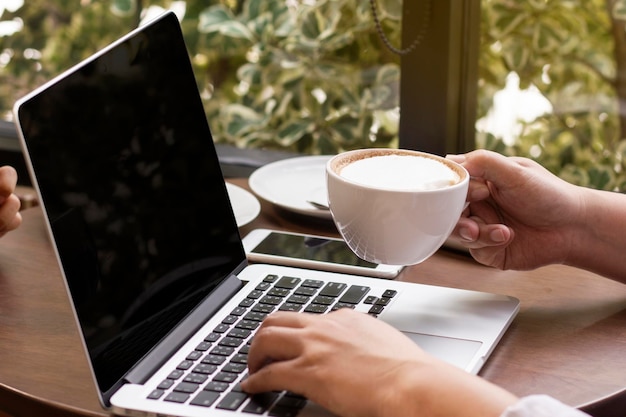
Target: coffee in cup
[395,206]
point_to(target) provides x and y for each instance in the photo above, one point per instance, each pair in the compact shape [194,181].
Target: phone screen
[312,248]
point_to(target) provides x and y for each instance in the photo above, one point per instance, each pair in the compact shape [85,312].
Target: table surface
[567,341]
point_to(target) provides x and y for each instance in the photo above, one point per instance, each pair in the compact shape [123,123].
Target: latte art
[400,172]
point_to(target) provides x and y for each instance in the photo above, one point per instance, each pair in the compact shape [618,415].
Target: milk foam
[400,172]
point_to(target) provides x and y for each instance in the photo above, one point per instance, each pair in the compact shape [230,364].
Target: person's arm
[356,365]
[10,217]
[521,216]
[599,243]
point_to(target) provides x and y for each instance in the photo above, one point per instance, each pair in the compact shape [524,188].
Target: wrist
[598,236]
[437,389]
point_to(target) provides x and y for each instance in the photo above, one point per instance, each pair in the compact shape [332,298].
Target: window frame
[438,101]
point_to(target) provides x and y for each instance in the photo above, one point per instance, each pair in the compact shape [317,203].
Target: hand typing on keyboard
[356,365]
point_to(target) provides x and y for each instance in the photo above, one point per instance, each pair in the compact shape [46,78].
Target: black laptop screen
[131,184]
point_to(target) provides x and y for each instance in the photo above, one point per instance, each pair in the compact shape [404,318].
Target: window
[315,76]
[310,76]
[552,88]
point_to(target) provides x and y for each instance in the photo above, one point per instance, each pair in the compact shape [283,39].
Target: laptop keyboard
[211,373]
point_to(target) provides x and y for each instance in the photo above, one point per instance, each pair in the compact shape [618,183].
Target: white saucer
[289,183]
[245,206]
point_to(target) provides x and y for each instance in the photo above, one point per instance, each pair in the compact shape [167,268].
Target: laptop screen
[130,181]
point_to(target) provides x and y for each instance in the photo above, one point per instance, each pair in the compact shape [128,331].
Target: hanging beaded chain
[418,39]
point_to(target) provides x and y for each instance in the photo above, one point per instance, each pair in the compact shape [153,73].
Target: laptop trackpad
[458,352]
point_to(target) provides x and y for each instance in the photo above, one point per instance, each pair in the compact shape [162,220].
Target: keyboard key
[230,319]
[239,333]
[355,294]
[184,365]
[232,401]
[322,299]
[234,368]
[292,400]
[263,308]
[333,289]
[298,299]
[271,300]
[214,359]
[338,305]
[194,356]
[370,299]
[259,403]
[187,387]
[166,384]
[376,309]
[216,386]
[225,377]
[263,286]
[246,302]
[220,328]
[247,324]
[255,316]
[156,394]
[255,294]
[383,301]
[240,358]
[205,398]
[222,350]
[316,308]
[238,311]
[287,282]
[213,337]
[205,368]
[306,291]
[313,283]
[290,307]
[203,346]
[177,397]
[390,293]
[279,292]
[231,341]
[175,374]
[270,278]
[196,378]
[237,387]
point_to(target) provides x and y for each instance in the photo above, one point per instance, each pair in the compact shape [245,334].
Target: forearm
[600,238]
[442,390]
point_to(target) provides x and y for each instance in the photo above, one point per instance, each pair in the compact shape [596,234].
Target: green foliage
[566,49]
[314,77]
[308,76]
[311,78]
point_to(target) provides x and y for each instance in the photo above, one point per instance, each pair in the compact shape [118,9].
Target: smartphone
[312,252]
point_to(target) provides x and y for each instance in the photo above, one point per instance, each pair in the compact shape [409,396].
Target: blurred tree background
[307,76]
[313,76]
[572,52]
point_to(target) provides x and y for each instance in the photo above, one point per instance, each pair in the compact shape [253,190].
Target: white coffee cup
[400,216]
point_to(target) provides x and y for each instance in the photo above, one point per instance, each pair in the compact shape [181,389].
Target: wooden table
[569,339]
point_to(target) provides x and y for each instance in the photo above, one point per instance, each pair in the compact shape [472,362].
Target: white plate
[289,183]
[245,206]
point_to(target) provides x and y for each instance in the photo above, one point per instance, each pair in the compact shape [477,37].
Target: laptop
[122,158]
